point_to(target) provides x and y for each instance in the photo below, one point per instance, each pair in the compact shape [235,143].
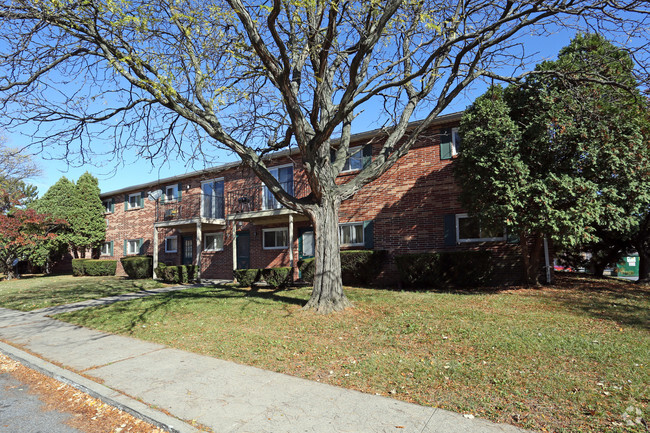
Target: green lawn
[32,293]
[573,357]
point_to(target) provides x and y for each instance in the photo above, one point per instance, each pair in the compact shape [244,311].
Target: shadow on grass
[620,301]
[140,311]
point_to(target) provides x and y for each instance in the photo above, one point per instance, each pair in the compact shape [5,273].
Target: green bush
[276,277]
[357,266]
[98,268]
[247,277]
[177,274]
[437,270]
[138,267]
[78,267]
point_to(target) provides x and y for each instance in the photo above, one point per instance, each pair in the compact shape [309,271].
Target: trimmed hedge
[247,277]
[357,266]
[97,268]
[453,268]
[177,274]
[78,267]
[138,267]
[276,277]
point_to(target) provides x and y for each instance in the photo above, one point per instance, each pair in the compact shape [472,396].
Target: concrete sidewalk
[221,395]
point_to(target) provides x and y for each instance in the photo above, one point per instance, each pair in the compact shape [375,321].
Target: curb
[99,391]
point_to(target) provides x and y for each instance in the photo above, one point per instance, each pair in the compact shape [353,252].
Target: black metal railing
[190,206]
[257,197]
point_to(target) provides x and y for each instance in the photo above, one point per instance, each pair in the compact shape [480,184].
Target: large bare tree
[182,76]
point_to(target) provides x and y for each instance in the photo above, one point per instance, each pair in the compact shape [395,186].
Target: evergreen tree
[89,222]
[561,155]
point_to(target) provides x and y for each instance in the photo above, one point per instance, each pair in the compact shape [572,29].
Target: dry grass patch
[572,357]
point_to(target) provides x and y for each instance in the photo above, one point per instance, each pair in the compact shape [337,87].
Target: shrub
[138,267]
[455,268]
[78,267]
[361,266]
[99,267]
[177,274]
[247,277]
[276,277]
[357,266]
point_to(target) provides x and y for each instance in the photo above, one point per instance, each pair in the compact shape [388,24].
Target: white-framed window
[171,244]
[284,175]
[275,239]
[469,229]
[455,141]
[351,234]
[108,205]
[212,198]
[213,241]
[171,193]
[133,246]
[134,201]
[107,249]
[355,160]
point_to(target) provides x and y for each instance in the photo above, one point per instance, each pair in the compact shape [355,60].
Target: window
[355,160]
[106,220]
[134,201]
[108,205]
[455,141]
[468,229]
[171,193]
[213,242]
[351,234]
[171,244]
[212,199]
[275,238]
[107,249]
[284,175]
[132,246]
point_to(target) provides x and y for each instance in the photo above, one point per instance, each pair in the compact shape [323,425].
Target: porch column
[291,243]
[234,246]
[199,248]
[155,250]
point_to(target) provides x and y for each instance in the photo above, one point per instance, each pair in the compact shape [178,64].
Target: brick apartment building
[224,218]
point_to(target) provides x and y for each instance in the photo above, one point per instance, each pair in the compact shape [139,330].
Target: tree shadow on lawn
[620,301]
[161,302]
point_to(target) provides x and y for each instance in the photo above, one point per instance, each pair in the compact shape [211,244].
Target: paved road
[22,412]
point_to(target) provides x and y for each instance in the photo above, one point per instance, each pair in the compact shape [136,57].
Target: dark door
[187,250]
[243,250]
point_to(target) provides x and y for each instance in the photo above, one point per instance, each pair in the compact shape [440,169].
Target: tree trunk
[644,265]
[327,295]
[531,252]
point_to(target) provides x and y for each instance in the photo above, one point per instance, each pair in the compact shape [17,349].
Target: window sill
[275,248]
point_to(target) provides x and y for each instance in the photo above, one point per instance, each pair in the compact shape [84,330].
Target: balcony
[256,202]
[188,211]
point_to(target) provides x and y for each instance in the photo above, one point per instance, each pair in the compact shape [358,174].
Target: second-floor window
[134,201]
[284,175]
[171,193]
[355,160]
[212,199]
[109,205]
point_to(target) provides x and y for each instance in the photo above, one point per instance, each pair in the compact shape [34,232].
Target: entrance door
[187,250]
[306,243]
[243,250]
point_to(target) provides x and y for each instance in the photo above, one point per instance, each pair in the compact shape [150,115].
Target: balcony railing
[188,207]
[258,198]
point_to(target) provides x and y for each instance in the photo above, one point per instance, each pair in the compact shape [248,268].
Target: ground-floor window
[213,241]
[470,229]
[107,249]
[171,244]
[275,238]
[132,246]
[351,234]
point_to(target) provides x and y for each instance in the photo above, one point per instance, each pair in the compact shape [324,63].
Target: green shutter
[111,247]
[367,155]
[140,246]
[450,229]
[141,203]
[368,234]
[112,204]
[126,202]
[125,242]
[445,143]
[180,191]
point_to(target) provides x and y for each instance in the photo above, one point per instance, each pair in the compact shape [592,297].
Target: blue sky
[133,171]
